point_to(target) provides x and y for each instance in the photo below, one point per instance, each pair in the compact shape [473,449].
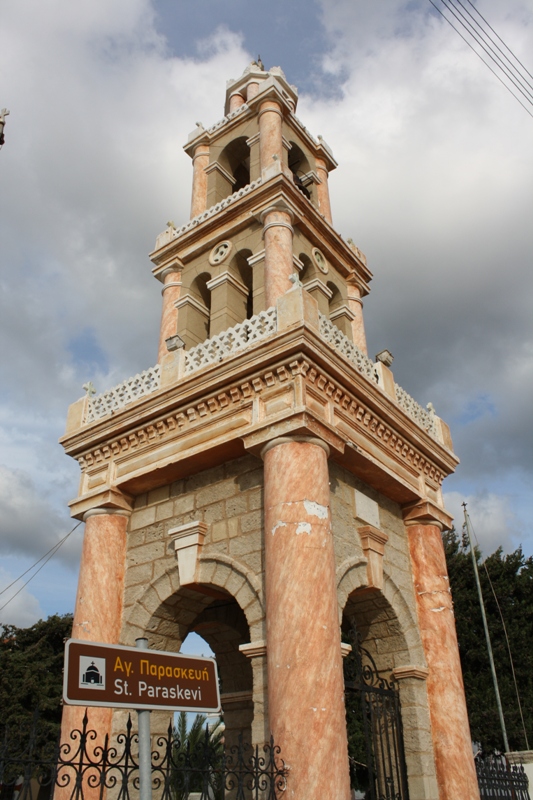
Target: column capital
[290,439]
[108,512]
[426,512]
[254,649]
[109,501]
[280,207]
[410,671]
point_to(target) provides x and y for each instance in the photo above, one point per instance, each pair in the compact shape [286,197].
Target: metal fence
[31,769]
[499,780]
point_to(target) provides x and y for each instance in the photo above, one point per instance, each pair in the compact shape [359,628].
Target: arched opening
[199,288]
[215,615]
[336,297]
[246,276]
[308,269]
[235,158]
[373,714]
[300,167]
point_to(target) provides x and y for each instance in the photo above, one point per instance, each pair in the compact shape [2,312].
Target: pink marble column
[450,731]
[98,612]
[251,90]
[169,315]
[305,677]
[355,304]
[199,180]
[278,237]
[270,133]
[324,205]
[236,100]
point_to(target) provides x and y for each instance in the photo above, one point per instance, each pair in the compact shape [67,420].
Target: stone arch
[387,606]
[235,159]
[300,167]
[242,270]
[224,607]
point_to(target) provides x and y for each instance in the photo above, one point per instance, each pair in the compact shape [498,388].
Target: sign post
[145,747]
[138,678]
[112,676]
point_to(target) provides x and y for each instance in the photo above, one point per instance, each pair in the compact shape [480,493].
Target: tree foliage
[512,578]
[31,673]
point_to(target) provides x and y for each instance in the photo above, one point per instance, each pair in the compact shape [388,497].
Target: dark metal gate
[375,734]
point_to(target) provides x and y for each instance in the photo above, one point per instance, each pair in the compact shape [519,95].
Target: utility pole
[486,627]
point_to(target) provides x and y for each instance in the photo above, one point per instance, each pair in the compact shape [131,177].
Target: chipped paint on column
[305,677]
[456,773]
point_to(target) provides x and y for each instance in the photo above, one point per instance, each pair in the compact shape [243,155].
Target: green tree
[31,674]
[198,757]
[512,578]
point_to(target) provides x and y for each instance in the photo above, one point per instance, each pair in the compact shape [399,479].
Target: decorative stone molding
[108,512]
[189,300]
[346,649]
[216,167]
[228,118]
[320,286]
[290,439]
[188,541]
[170,234]
[337,339]
[101,405]
[235,698]
[410,671]
[426,512]
[341,311]
[227,277]
[181,419]
[373,542]
[232,340]
[425,419]
[254,649]
[361,414]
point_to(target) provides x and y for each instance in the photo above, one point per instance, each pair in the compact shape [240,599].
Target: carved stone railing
[101,405]
[231,341]
[341,343]
[348,349]
[173,233]
[227,118]
[426,419]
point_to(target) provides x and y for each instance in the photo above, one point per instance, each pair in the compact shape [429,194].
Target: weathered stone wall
[229,499]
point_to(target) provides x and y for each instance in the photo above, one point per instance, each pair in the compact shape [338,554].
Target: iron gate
[375,735]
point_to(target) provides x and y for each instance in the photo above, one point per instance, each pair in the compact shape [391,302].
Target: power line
[482,59]
[488,36]
[47,556]
[499,37]
[488,50]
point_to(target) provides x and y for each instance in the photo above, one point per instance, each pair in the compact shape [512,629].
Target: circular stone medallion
[220,252]
[320,260]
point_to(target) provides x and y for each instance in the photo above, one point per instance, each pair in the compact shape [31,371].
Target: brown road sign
[115,677]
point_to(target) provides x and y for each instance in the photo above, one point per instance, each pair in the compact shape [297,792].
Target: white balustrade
[231,341]
[101,405]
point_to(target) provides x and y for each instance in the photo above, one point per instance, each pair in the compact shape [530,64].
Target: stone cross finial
[89,388]
[295,280]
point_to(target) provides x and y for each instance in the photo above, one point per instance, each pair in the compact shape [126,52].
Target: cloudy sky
[434,184]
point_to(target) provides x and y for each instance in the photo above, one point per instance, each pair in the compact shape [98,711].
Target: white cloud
[29,524]
[23,609]
[491,517]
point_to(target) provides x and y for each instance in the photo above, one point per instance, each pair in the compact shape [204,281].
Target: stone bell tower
[266,482]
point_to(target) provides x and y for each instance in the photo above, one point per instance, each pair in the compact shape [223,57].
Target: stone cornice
[291,384]
[230,220]
[426,512]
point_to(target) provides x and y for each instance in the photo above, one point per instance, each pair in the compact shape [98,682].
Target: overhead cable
[526,109]
[47,556]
